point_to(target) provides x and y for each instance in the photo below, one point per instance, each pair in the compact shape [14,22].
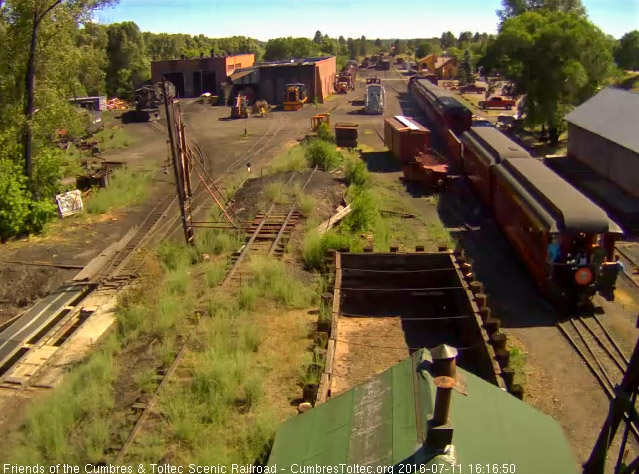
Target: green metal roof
[378,423]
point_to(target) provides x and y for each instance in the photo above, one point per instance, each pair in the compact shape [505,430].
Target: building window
[229,68]
[238,65]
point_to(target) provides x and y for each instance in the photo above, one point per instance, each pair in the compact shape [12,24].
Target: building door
[197,83]
[177,78]
[208,82]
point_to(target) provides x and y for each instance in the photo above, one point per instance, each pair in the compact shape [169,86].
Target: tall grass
[323,154]
[126,187]
[71,425]
[356,172]
[324,133]
[273,281]
[315,246]
[216,242]
[364,212]
[293,160]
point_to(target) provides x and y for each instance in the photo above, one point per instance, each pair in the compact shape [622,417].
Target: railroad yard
[440,271]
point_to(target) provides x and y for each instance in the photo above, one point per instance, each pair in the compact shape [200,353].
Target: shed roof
[494,143]
[573,211]
[612,114]
[382,422]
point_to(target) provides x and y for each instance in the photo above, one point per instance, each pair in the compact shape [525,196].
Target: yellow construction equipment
[240,109]
[295,97]
[318,119]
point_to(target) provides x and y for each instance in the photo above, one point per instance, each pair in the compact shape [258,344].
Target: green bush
[364,212]
[174,255]
[323,154]
[356,172]
[315,246]
[16,201]
[324,133]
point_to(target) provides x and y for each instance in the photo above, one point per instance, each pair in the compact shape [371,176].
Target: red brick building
[192,77]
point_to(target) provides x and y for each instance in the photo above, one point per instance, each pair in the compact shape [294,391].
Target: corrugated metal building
[603,133]
[387,422]
[268,80]
[193,77]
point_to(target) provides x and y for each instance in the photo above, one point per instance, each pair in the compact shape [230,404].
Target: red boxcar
[405,138]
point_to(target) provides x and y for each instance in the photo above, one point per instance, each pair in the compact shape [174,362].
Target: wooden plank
[336,295]
[95,265]
[323,389]
[334,219]
[330,356]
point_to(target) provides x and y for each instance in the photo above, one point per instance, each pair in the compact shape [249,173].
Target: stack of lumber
[117,104]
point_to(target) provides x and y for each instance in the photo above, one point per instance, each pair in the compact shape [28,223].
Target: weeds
[364,212]
[324,133]
[216,242]
[306,204]
[278,192]
[273,282]
[71,424]
[126,187]
[293,160]
[214,273]
[323,154]
[315,246]
[356,173]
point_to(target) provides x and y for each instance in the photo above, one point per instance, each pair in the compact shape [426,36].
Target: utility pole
[178,169]
[618,407]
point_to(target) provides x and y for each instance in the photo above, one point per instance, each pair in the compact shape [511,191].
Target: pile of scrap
[117,104]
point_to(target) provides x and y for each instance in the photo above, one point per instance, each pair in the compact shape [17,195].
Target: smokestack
[442,400]
[439,433]
[444,361]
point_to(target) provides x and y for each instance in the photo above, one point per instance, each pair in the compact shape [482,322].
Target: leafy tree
[555,59]
[28,18]
[363,46]
[400,47]
[341,41]
[427,47]
[466,70]
[448,40]
[513,8]
[378,43]
[128,65]
[288,48]
[318,37]
[465,38]
[627,53]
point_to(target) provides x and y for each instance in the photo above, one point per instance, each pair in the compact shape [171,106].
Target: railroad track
[599,351]
[631,265]
[266,235]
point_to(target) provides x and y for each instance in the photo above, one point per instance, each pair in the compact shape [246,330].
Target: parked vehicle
[481,122]
[472,89]
[93,107]
[375,99]
[497,102]
[295,97]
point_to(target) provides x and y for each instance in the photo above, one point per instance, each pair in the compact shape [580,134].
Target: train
[565,241]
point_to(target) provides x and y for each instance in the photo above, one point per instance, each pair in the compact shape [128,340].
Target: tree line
[52,51]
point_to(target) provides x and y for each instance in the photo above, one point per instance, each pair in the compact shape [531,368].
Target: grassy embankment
[221,406]
[367,194]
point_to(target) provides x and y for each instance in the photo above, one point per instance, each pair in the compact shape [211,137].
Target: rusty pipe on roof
[442,400]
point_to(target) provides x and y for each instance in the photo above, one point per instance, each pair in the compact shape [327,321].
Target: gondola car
[565,240]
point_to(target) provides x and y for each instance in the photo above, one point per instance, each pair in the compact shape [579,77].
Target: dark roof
[443,97]
[612,114]
[571,210]
[383,421]
[493,144]
[293,62]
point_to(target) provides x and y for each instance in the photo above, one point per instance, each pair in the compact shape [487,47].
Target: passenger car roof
[494,143]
